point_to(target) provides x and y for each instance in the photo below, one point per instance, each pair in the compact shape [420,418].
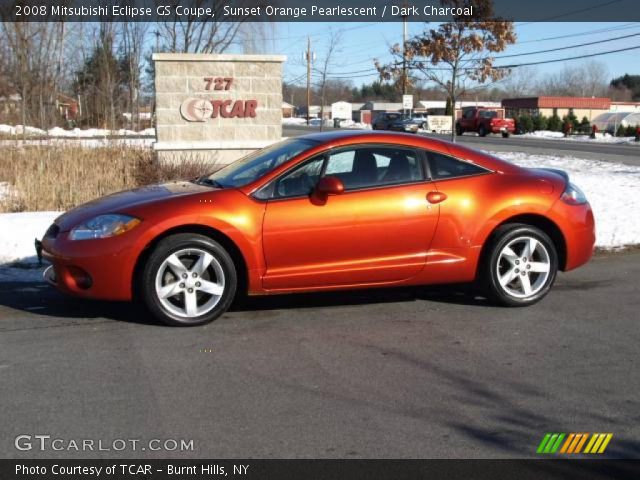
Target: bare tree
[325,64]
[589,79]
[132,43]
[520,82]
[193,34]
[33,60]
[457,55]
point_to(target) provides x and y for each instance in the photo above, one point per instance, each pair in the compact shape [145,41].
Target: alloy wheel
[190,282]
[523,267]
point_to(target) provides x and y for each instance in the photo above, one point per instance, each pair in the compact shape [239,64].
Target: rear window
[488,114]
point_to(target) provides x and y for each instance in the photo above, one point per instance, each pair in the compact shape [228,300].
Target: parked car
[420,119]
[384,120]
[327,211]
[484,121]
[407,125]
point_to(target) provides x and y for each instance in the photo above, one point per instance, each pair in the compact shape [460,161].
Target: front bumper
[100,269]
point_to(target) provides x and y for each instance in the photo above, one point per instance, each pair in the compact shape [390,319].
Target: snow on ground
[17,233]
[600,137]
[294,121]
[18,260]
[613,190]
[58,132]
[18,130]
[99,132]
[95,142]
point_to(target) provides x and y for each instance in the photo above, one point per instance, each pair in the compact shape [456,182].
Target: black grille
[52,231]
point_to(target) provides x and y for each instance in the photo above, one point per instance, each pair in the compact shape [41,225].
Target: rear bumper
[578,229]
[499,129]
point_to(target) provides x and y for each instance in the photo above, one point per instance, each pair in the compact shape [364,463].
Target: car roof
[349,137]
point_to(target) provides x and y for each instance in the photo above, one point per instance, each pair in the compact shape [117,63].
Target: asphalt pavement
[400,373]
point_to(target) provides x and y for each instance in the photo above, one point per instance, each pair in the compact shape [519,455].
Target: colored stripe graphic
[574,443]
[543,443]
[550,443]
[581,443]
[598,443]
[604,445]
[567,443]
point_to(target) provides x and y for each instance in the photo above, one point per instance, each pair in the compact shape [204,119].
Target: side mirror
[329,186]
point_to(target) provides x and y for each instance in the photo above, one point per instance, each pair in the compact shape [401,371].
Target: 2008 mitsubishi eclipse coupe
[339,210]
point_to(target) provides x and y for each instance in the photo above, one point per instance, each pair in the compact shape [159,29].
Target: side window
[443,166]
[301,180]
[374,166]
[340,163]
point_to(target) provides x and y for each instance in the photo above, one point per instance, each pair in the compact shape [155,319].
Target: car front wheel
[188,280]
[520,265]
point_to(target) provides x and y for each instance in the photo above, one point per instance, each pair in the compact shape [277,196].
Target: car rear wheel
[520,265]
[188,280]
[505,134]
[459,130]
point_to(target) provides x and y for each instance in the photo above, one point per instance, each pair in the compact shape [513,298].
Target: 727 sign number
[218,83]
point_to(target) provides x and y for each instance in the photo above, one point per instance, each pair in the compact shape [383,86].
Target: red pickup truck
[485,120]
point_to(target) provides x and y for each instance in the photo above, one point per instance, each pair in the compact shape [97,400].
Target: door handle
[436,197]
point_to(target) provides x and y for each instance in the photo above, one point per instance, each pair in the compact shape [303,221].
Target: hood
[121,201]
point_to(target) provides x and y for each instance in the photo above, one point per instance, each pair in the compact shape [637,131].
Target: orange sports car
[328,211]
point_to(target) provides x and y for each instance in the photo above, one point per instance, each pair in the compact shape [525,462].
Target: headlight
[104,226]
[573,195]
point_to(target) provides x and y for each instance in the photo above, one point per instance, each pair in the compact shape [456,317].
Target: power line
[537,52]
[569,58]
[568,46]
[305,35]
[555,17]
[626,26]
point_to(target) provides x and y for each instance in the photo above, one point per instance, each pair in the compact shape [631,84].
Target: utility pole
[308,55]
[404,54]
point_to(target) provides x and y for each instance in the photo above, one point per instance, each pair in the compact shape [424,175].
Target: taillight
[573,195]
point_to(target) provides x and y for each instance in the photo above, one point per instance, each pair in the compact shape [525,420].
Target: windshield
[258,163]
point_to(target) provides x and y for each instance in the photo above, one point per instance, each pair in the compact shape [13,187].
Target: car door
[378,230]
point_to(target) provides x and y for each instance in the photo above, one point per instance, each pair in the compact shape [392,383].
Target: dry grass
[59,178]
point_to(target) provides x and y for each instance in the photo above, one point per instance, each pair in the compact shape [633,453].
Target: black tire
[488,279]
[179,243]
[459,130]
[482,131]
[505,134]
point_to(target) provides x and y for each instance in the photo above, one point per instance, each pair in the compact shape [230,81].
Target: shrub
[554,124]
[58,178]
[622,131]
[584,126]
[539,123]
[630,131]
[524,123]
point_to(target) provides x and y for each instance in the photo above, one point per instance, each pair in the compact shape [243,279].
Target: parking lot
[406,373]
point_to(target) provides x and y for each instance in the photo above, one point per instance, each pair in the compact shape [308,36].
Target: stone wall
[217,107]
